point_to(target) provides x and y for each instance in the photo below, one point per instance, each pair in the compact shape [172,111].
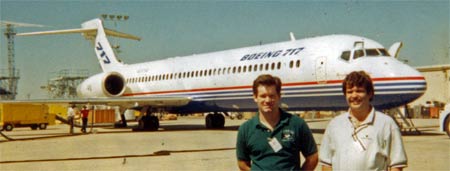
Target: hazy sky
[182,28]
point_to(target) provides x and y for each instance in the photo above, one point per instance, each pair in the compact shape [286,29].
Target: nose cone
[396,84]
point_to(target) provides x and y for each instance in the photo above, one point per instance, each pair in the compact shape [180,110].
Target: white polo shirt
[375,144]
[70,112]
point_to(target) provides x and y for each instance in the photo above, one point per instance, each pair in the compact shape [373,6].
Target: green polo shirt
[291,132]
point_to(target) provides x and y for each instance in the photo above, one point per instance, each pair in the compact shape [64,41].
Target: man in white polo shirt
[362,138]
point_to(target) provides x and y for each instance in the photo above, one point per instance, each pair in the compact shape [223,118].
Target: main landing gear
[214,120]
[147,121]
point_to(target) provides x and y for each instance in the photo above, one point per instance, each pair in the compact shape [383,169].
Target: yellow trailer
[24,115]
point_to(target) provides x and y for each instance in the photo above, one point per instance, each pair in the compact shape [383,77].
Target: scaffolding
[63,84]
[8,84]
[10,78]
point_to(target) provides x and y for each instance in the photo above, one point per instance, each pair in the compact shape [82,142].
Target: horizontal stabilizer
[67,31]
[86,31]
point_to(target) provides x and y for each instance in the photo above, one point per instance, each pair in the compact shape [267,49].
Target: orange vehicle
[25,115]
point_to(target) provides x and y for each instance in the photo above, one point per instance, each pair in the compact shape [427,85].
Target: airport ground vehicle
[237,115]
[24,115]
[444,119]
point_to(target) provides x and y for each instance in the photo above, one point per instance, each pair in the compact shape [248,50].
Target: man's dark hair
[266,80]
[358,79]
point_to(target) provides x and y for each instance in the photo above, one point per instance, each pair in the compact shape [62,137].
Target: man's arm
[244,165]
[311,162]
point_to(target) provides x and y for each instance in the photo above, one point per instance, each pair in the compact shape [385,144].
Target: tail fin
[94,30]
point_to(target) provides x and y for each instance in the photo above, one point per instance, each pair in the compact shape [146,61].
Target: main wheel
[209,120]
[149,123]
[219,121]
[447,125]
[154,123]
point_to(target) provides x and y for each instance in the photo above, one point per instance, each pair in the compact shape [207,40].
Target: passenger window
[272,66]
[255,67]
[297,64]
[249,68]
[239,69]
[261,67]
[245,69]
[267,67]
[279,65]
[345,55]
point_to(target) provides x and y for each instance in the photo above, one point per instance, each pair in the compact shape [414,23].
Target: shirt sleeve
[397,154]
[242,151]
[326,154]
[308,144]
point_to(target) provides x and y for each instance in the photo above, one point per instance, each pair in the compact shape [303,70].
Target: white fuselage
[311,70]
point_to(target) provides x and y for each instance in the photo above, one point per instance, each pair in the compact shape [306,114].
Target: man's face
[358,98]
[267,99]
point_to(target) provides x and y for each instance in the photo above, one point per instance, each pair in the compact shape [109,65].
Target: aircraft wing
[127,102]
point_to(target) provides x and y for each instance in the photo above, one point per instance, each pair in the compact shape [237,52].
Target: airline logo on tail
[102,53]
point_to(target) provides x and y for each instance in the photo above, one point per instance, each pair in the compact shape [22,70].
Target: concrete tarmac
[182,144]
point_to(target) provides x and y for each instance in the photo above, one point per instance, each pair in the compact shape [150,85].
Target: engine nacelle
[111,84]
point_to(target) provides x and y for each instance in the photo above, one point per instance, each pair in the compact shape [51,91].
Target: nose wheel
[214,120]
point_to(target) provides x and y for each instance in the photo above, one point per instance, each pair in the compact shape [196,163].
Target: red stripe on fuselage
[249,87]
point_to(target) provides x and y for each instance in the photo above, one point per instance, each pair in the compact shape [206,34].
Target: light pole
[114,19]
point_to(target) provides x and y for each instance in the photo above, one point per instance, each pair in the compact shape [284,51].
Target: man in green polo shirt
[273,139]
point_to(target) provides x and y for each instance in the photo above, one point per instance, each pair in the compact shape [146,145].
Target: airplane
[311,70]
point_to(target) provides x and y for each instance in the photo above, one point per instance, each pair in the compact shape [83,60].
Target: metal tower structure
[64,83]
[8,82]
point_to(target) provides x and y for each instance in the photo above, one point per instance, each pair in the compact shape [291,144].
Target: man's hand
[244,165]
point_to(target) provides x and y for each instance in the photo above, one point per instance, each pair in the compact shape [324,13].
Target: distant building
[438,86]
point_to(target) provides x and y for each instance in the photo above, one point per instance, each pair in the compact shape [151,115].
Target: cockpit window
[384,52]
[366,52]
[358,53]
[345,55]
[372,52]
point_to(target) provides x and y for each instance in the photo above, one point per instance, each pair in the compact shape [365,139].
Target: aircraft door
[321,70]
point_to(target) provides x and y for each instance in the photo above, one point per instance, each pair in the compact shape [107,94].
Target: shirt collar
[284,119]
[369,119]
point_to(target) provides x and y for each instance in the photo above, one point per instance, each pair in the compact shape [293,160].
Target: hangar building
[438,85]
